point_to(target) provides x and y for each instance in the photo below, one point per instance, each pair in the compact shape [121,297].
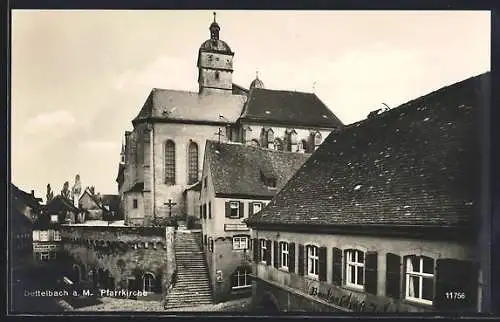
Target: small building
[25,209]
[46,230]
[237,180]
[383,217]
[92,204]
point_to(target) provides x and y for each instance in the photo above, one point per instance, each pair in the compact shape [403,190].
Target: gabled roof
[58,204]
[24,197]
[415,165]
[236,169]
[175,105]
[92,197]
[287,107]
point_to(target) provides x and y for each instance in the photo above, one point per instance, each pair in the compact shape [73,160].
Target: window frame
[248,282]
[349,265]
[151,285]
[237,203]
[263,250]
[240,238]
[135,203]
[421,275]
[284,254]
[193,162]
[170,168]
[312,257]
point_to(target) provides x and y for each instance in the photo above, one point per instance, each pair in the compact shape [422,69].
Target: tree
[50,193]
[65,190]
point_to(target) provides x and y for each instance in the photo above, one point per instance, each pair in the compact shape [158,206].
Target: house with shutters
[384,216]
[237,180]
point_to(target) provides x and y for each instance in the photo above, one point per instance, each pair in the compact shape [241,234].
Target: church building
[162,156]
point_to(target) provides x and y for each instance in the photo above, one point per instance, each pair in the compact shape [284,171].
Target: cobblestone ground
[112,304]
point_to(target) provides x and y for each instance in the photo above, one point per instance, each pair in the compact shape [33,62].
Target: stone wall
[124,252]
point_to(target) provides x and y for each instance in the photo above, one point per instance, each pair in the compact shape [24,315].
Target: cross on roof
[170,204]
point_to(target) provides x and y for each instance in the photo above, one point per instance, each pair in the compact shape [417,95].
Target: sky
[79,77]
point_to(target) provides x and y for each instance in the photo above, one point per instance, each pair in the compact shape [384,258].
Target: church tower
[215,64]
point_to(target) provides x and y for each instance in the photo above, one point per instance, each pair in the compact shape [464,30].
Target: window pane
[428,265]
[413,264]
[316,266]
[352,273]
[414,286]
[241,280]
[360,275]
[428,289]
[361,257]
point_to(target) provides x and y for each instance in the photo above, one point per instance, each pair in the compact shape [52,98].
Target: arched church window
[148,282]
[270,138]
[317,140]
[193,163]
[278,145]
[170,162]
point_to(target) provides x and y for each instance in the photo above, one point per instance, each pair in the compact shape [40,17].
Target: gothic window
[317,140]
[270,138]
[278,145]
[193,162]
[148,282]
[170,162]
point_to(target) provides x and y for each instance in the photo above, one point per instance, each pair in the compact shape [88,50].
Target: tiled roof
[24,197]
[415,165]
[166,104]
[287,107]
[237,169]
[59,203]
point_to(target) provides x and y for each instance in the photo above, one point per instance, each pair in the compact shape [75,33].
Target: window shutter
[228,209]
[275,255]
[337,266]
[268,252]
[250,209]
[291,257]
[393,276]
[301,260]
[256,250]
[371,273]
[242,210]
[322,264]
[453,275]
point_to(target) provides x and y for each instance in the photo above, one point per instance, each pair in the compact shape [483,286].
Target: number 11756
[455,295]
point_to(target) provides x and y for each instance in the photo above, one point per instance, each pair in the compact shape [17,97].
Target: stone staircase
[192,287]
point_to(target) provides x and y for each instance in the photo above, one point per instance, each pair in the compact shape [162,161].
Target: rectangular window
[36,235]
[235,209]
[134,203]
[355,268]
[57,235]
[44,235]
[241,279]
[53,218]
[312,261]
[263,250]
[44,256]
[240,243]
[257,206]
[210,210]
[205,182]
[420,279]
[284,255]
[204,211]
